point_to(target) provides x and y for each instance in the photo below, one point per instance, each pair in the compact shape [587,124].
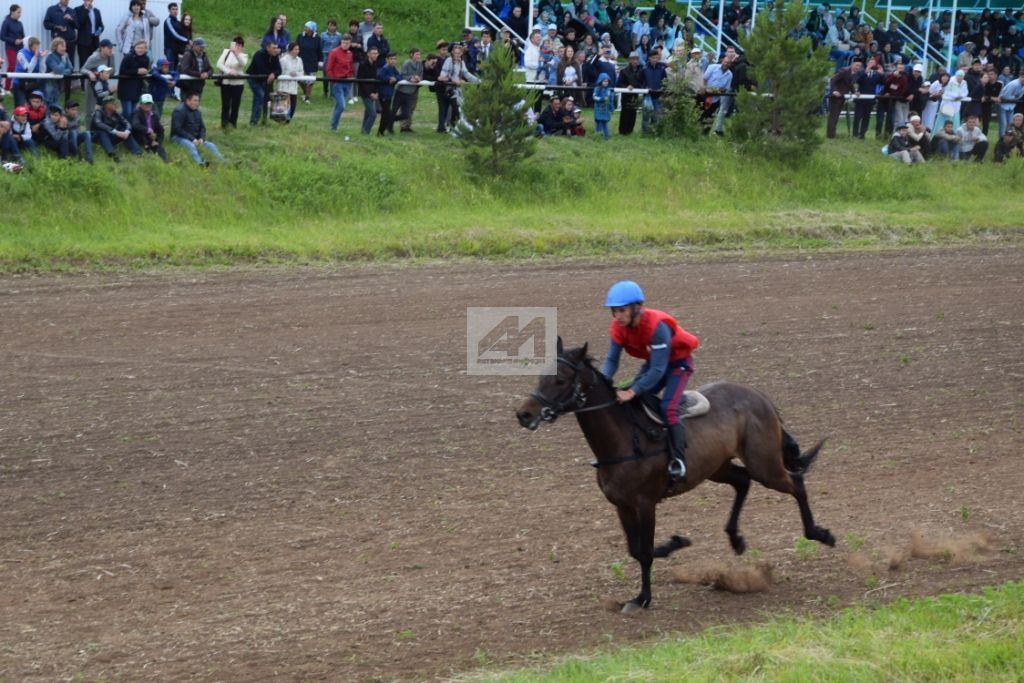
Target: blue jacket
[158,86]
[55,17]
[10,31]
[384,75]
[653,77]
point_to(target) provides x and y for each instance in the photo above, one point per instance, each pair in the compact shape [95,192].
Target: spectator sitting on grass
[79,141]
[9,150]
[21,131]
[110,129]
[55,132]
[920,136]
[147,129]
[1008,147]
[551,120]
[973,143]
[902,148]
[946,142]
[189,131]
[572,115]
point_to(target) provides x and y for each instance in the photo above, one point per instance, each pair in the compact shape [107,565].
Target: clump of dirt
[959,549]
[740,579]
[955,549]
[859,563]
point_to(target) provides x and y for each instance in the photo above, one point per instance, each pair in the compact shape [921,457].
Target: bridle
[576,402]
[551,409]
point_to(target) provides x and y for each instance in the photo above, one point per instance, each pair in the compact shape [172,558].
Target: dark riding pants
[674,384]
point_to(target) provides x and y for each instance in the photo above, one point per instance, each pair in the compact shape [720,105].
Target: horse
[742,424]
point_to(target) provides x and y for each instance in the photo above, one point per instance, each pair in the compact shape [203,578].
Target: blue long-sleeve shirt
[653,370]
[384,75]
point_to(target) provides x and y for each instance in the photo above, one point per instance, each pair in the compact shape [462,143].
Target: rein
[552,410]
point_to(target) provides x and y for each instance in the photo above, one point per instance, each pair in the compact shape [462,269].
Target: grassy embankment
[299,193]
[949,638]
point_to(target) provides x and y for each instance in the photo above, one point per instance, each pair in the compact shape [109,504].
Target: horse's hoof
[825,536]
[739,545]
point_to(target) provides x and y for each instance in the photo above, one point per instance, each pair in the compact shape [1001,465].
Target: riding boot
[677,445]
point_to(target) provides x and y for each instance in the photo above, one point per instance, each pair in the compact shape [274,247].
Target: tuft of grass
[947,638]
[805,548]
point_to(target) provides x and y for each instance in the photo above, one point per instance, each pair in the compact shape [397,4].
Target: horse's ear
[583,349]
[560,348]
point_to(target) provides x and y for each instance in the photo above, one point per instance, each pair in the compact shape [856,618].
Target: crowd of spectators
[576,54]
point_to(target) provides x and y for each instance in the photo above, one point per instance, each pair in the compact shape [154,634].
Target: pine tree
[779,119]
[498,135]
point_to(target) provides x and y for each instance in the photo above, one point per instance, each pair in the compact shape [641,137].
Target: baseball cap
[199,42]
[21,111]
[552,27]
[37,93]
[106,43]
[107,99]
[71,105]
[56,109]
[634,54]
[901,125]
[695,51]
[146,99]
[915,118]
[919,67]
[160,61]
[367,11]
[311,25]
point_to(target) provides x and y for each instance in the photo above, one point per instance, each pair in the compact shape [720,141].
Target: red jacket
[339,64]
[636,340]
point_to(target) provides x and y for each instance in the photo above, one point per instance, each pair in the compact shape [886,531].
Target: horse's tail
[795,462]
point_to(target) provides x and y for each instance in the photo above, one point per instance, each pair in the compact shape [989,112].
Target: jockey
[666,349]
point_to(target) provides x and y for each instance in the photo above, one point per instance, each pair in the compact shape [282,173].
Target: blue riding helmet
[624,293]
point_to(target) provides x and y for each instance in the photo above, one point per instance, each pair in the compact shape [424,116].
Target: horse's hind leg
[671,545]
[737,477]
[814,533]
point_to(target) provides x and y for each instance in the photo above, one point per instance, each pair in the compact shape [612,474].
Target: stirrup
[676,468]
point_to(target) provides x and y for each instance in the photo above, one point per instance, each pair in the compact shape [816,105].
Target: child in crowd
[602,105]
[161,84]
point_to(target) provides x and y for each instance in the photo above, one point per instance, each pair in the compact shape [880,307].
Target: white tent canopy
[33,12]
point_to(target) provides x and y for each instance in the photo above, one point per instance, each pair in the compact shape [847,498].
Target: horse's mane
[589,361]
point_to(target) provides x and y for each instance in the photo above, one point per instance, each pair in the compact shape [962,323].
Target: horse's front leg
[638,525]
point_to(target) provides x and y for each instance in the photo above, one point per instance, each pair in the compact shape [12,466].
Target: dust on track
[287,475]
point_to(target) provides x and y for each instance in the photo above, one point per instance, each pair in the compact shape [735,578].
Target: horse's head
[562,392]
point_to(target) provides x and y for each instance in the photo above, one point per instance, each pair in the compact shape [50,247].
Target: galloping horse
[742,424]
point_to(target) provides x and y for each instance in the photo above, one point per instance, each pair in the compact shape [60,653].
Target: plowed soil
[288,475]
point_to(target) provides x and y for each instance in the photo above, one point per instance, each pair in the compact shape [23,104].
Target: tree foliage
[498,135]
[779,119]
[680,117]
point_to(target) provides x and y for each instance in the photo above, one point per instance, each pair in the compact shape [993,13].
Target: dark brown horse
[632,455]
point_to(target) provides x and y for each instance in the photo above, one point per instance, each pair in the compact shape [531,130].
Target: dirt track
[287,475]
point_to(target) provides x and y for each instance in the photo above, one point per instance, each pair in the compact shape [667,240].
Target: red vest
[636,340]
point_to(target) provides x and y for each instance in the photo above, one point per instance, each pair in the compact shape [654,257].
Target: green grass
[949,638]
[300,194]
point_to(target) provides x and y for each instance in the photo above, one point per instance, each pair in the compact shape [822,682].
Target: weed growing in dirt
[806,548]
[965,513]
[855,541]
[617,571]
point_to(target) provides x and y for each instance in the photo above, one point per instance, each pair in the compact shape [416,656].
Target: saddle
[694,404]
